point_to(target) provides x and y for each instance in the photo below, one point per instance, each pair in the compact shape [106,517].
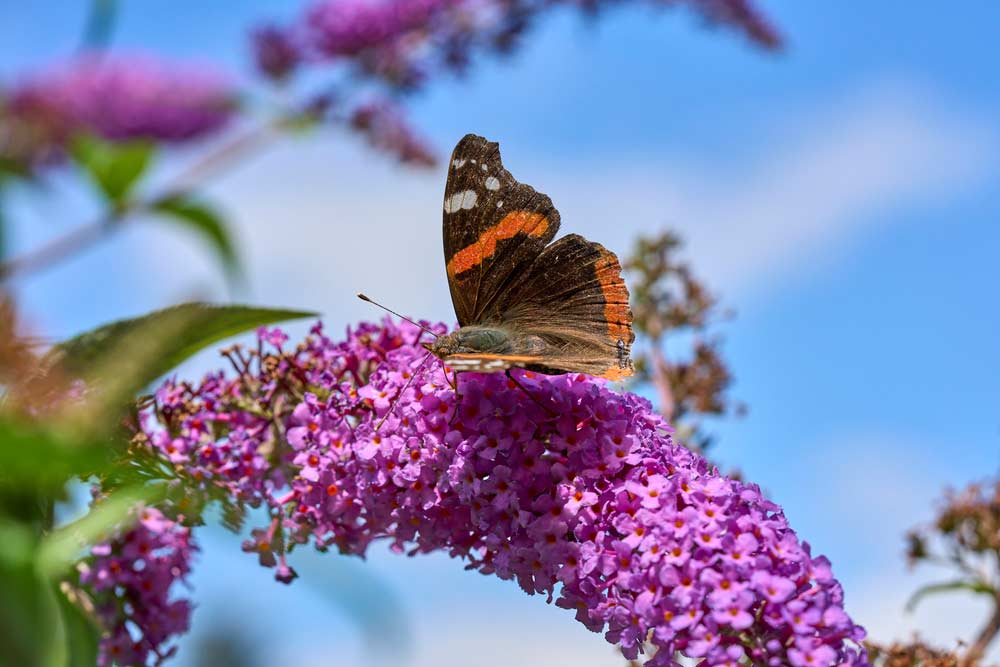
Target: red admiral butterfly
[522,300]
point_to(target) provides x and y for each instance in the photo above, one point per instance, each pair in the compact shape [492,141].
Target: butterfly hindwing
[494,228]
[575,300]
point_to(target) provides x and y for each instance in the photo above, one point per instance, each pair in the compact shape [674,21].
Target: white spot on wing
[469,198]
[500,204]
[458,164]
[460,200]
[485,168]
[492,183]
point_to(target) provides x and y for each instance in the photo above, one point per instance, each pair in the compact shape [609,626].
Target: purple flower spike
[119,97]
[347,27]
[577,493]
[385,127]
[130,579]
[276,52]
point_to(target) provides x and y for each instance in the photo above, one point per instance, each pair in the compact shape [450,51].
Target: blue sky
[841,196]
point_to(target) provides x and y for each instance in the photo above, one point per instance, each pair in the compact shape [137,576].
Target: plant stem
[661,380]
[985,638]
[64,246]
[226,155]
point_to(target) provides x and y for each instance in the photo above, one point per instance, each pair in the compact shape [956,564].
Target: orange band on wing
[512,224]
[616,373]
[616,309]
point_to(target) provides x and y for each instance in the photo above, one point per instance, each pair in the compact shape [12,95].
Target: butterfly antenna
[365,297]
[409,380]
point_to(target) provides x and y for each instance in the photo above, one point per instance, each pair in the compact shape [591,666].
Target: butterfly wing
[494,228]
[575,300]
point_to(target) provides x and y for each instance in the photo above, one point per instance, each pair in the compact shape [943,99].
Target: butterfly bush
[130,579]
[571,489]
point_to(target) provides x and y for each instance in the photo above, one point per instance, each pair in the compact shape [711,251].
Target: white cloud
[325,219]
[820,180]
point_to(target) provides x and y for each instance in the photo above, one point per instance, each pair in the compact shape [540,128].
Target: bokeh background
[841,196]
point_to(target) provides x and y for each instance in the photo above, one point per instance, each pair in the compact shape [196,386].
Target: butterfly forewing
[494,228]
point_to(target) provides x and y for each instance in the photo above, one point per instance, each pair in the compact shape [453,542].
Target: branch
[66,245]
[86,235]
[985,638]
[661,380]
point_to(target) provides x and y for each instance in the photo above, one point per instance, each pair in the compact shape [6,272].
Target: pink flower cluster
[397,46]
[348,27]
[576,492]
[117,97]
[385,128]
[405,32]
[129,579]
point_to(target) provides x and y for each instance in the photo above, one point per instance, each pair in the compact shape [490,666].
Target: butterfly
[523,300]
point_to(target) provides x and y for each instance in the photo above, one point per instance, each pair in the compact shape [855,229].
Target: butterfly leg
[452,381]
[458,400]
[406,385]
[529,394]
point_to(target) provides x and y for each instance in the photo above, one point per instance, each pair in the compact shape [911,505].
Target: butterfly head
[444,346]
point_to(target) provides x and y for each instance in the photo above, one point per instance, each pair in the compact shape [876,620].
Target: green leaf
[61,548]
[205,221]
[17,543]
[14,170]
[82,635]
[115,168]
[30,624]
[165,337]
[45,455]
[978,587]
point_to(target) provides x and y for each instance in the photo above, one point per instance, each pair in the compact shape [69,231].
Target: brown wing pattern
[494,227]
[573,298]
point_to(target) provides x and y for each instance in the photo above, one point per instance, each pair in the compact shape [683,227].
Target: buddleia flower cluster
[113,96]
[396,47]
[401,41]
[561,484]
[130,580]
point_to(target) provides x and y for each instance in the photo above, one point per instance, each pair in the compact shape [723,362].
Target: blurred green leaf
[31,629]
[61,548]
[208,223]
[17,544]
[45,455]
[114,167]
[13,170]
[82,636]
[176,333]
[978,587]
